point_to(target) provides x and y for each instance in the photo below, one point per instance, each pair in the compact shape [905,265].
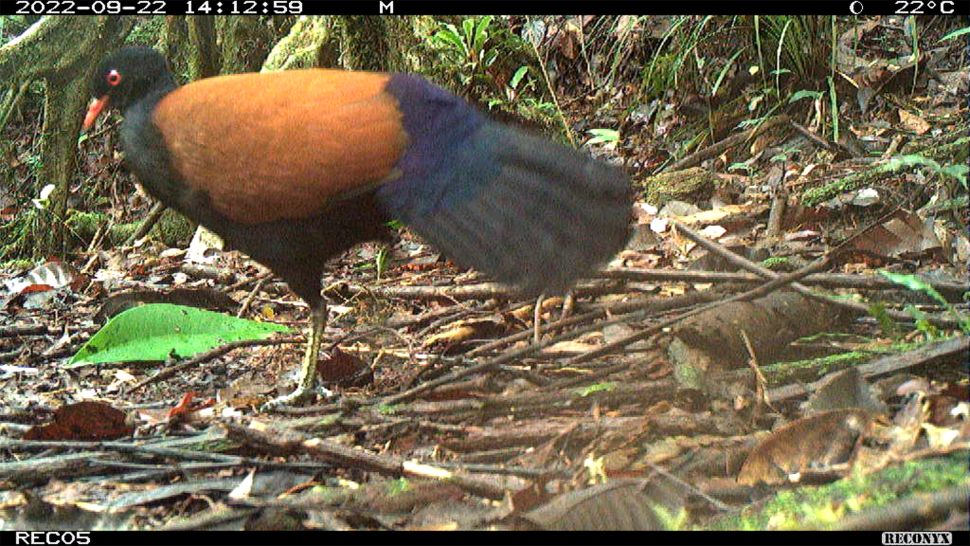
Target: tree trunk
[244,43]
[385,44]
[173,42]
[64,100]
[39,53]
[203,54]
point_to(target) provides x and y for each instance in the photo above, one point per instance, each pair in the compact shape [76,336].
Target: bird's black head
[125,77]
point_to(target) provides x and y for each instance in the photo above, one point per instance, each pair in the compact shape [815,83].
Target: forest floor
[782,344]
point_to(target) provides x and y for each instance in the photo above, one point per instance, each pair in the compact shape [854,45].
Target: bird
[295,167]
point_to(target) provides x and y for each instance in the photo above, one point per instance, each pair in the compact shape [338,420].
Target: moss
[147,32]
[776,263]
[784,372]
[310,43]
[17,265]
[950,152]
[690,185]
[84,225]
[173,229]
[824,506]
[121,232]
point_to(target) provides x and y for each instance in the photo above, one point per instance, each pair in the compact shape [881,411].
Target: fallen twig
[758,292]
[740,261]
[888,364]
[953,291]
[211,354]
[148,223]
[286,441]
[481,291]
[718,148]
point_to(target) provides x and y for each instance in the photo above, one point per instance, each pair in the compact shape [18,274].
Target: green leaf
[481,33]
[917,284]
[804,94]
[158,330]
[603,135]
[598,387]
[958,172]
[468,30]
[398,486]
[450,39]
[834,107]
[886,323]
[914,283]
[517,77]
[923,323]
[724,70]
[955,34]
[739,167]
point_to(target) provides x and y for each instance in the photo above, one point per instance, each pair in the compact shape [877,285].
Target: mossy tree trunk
[244,42]
[38,54]
[360,42]
[370,42]
[203,53]
[309,43]
[64,101]
[172,43]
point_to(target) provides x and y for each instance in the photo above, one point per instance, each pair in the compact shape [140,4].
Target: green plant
[799,43]
[957,172]
[922,322]
[471,49]
[886,323]
[955,34]
[916,284]
[398,486]
[381,259]
[595,388]
[486,60]
[17,235]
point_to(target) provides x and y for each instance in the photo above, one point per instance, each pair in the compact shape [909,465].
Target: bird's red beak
[94,110]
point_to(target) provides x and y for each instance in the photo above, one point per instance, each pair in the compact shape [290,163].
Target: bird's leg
[308,370]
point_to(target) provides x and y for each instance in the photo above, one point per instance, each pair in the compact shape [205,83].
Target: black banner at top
[482,7]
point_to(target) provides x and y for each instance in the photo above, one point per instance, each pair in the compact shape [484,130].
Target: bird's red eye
[114,78]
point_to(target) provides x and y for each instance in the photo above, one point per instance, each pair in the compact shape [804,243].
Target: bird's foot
[298,397]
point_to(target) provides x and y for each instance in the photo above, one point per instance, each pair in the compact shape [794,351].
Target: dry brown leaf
[913,123]
[83,421]
[464,330]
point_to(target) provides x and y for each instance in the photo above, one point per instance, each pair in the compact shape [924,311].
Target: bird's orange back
[274,146]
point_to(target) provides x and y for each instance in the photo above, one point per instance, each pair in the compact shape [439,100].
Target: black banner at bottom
[298,538]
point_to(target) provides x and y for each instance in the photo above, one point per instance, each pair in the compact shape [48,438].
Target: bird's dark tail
[522,209]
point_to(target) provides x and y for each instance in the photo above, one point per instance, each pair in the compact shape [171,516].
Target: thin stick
[537,321]
[952,290]
[740,261]
[148,223]
[252,295]
[211,354]
[750,294]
